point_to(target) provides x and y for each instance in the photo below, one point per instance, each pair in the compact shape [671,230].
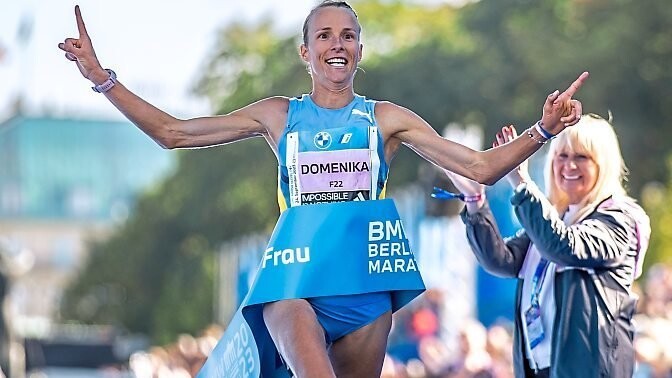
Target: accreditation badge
[535,329]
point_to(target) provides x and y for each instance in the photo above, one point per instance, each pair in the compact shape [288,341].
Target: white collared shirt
[540,356]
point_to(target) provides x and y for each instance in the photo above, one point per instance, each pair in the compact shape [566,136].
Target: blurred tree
[528,47]
[656,200]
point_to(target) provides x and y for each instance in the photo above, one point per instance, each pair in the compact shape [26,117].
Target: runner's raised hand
[80,50]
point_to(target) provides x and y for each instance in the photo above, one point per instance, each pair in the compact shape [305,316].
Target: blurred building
[64,182]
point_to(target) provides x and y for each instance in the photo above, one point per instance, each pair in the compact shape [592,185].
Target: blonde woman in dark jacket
[580,249]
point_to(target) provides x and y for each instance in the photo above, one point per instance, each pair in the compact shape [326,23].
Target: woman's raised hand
[521,172]
[466,186]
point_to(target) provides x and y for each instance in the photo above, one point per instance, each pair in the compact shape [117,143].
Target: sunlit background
[119,258]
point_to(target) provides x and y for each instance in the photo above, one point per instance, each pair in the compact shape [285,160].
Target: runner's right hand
[80,50]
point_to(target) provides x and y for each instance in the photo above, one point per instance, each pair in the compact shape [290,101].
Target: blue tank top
[330,155]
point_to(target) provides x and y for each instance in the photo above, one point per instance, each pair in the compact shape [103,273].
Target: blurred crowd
[419,347]
[653,341]
[181,359]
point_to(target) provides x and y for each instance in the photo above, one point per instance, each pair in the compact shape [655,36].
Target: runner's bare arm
[262,118]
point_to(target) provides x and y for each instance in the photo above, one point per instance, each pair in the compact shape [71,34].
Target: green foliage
[530,48]
[656,201]
[397,27]
[252,62]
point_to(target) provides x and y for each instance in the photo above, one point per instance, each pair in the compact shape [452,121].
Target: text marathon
[389,251]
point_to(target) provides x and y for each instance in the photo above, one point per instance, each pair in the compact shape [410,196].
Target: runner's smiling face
[333,49]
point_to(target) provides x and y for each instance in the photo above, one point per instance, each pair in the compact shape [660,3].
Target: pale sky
[157,48]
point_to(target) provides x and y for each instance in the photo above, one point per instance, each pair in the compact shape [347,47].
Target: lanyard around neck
[538,280]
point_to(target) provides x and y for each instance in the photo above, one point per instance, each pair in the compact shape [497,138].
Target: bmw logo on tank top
[330,155]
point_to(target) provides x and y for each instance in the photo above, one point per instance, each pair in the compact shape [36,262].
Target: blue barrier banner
[317,250]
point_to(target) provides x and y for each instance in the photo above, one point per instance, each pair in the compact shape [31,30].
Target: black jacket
[592,332]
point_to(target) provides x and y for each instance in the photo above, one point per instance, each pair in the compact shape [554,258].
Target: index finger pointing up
[576,84]
[80,23]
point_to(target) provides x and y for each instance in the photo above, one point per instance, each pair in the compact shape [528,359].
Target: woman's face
[575,173]
[333,49]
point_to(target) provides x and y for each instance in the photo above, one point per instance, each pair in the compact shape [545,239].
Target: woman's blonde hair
[595,137]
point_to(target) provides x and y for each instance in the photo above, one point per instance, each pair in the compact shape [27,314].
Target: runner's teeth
[336,62]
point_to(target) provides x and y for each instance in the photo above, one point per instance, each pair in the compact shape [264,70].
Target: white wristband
[107,84]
